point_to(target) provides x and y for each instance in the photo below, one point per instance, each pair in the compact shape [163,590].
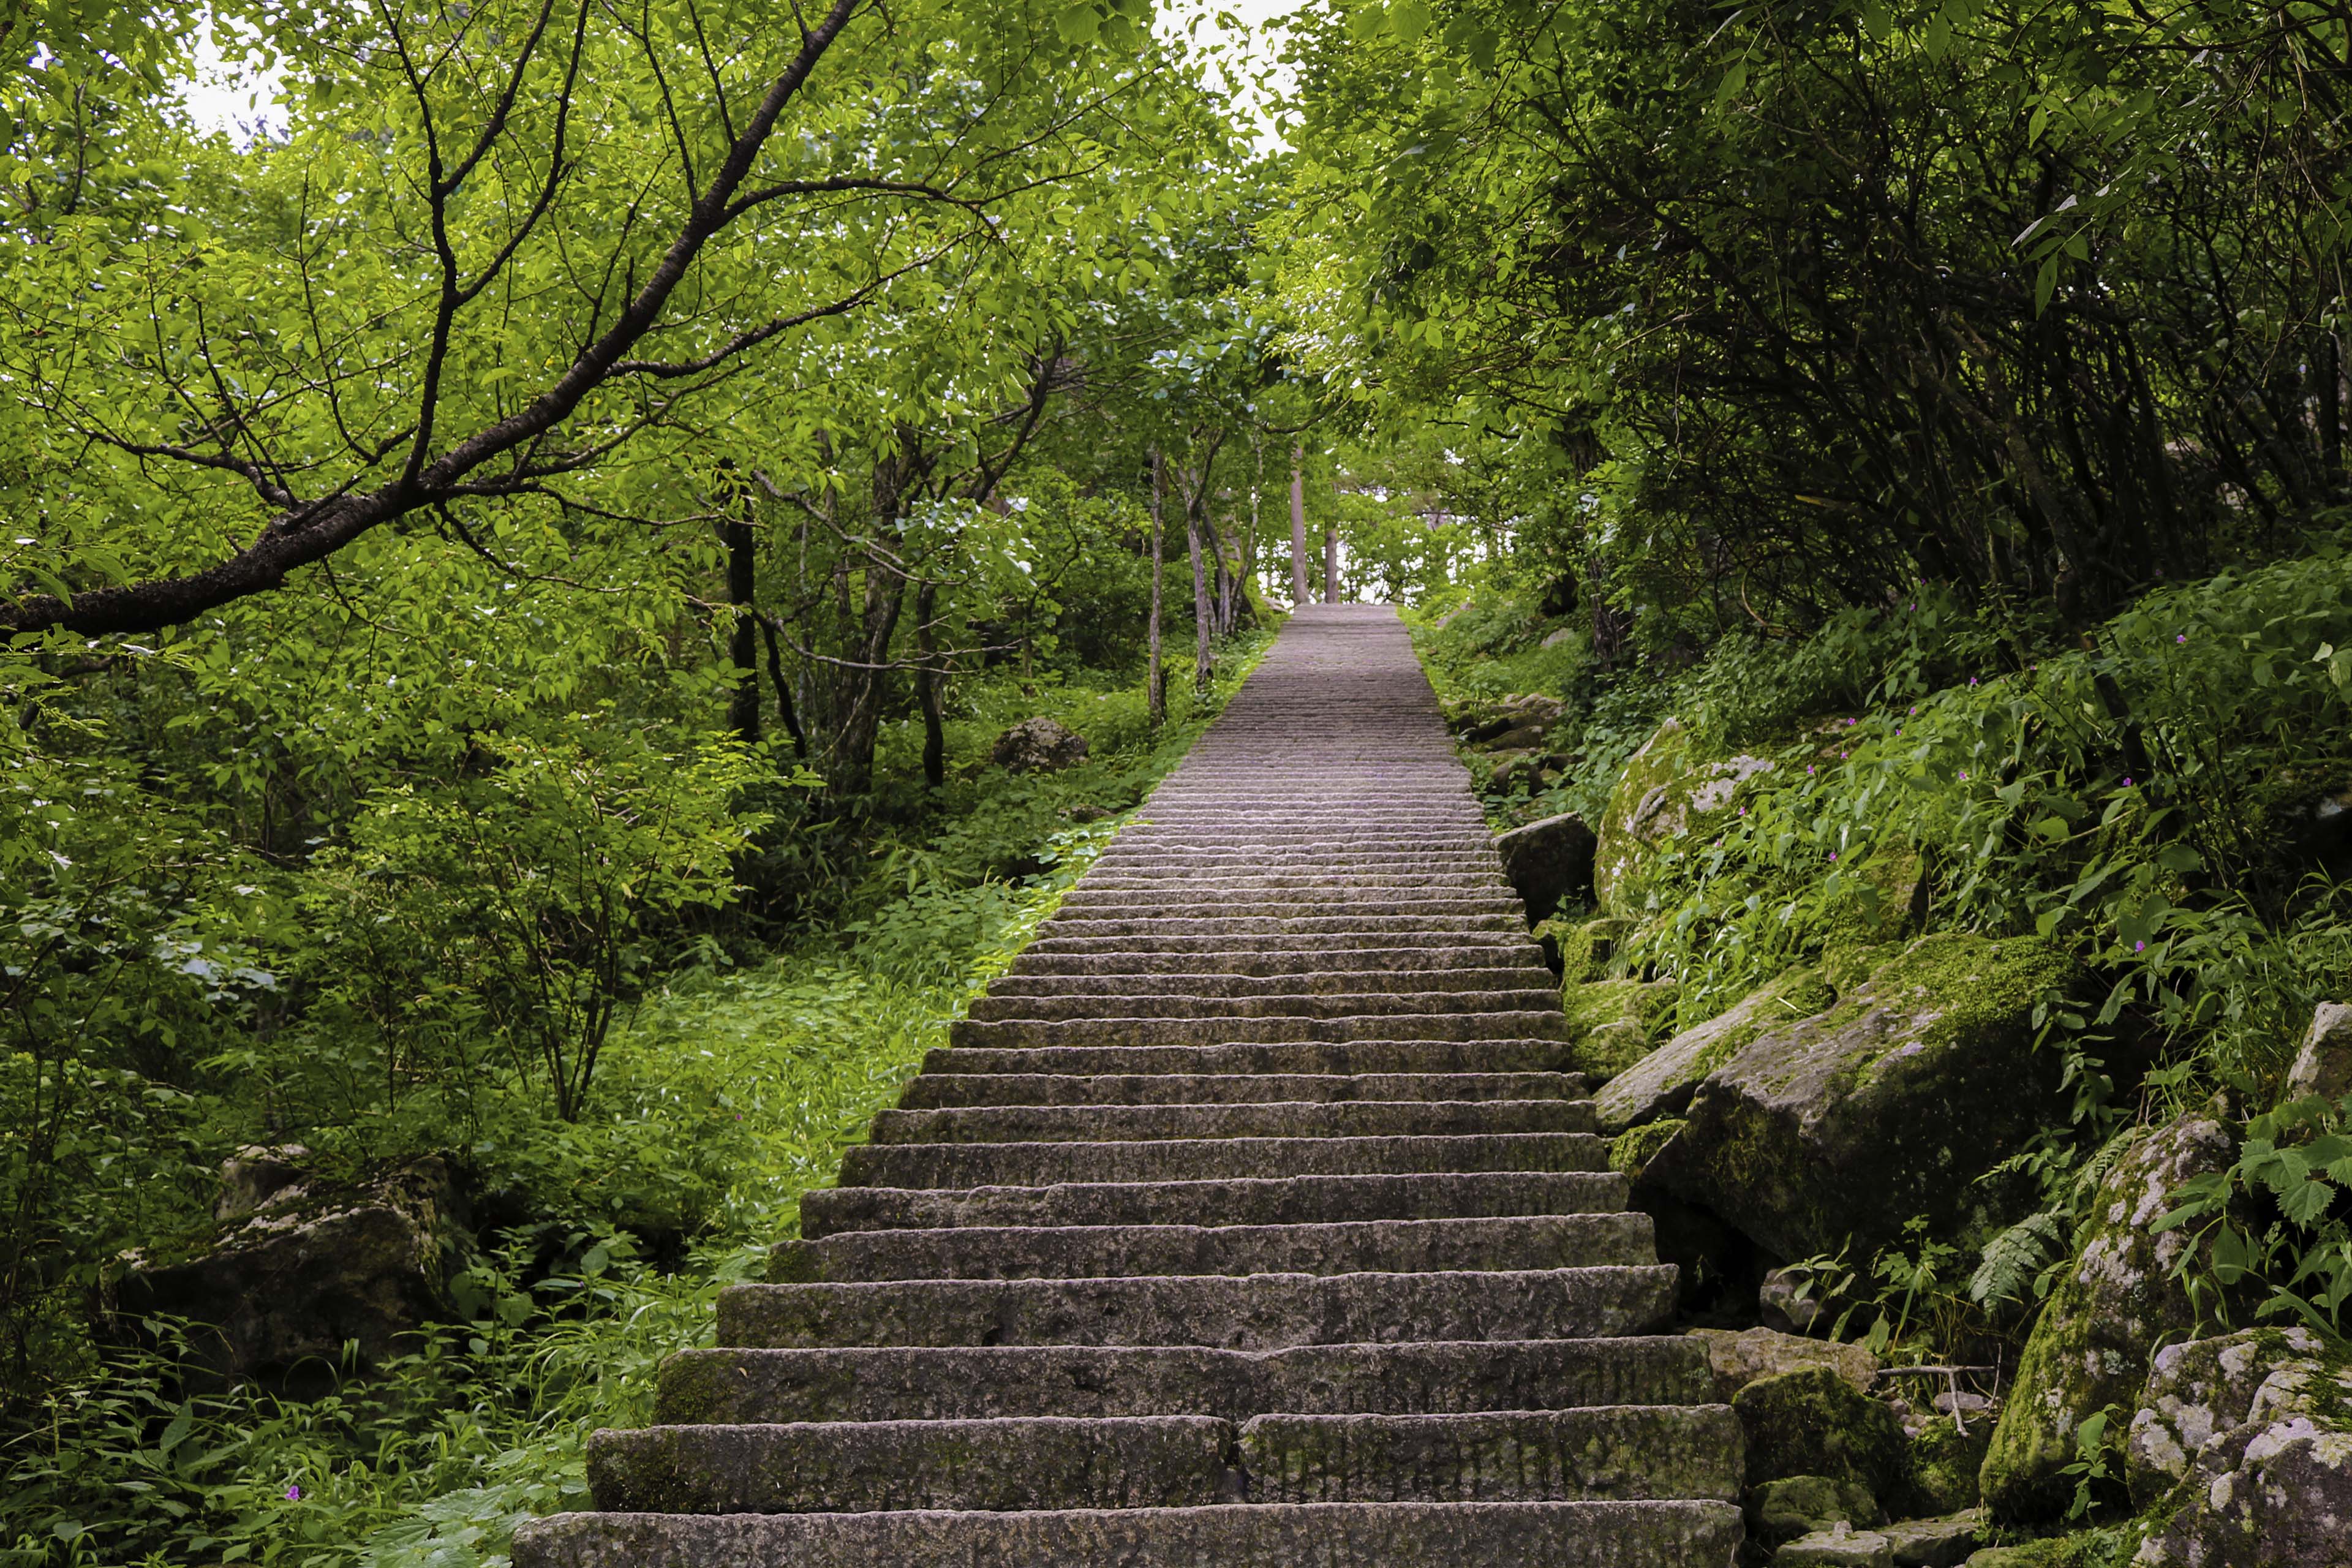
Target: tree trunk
[930,681]
[1202,666]
[1156,689]
[1330,565]
[785,708]
[1299,594]
[743,646]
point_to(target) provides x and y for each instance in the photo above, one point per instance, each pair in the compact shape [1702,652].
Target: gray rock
[2196,1392]
[1039,745]
[1841,1547]
[1665,792]
[1783,1301]
[1945,1543]
[2323,1066]
[2273,1491]
[1549,861]
[1837,1130]
[1740,1357]
[307,1269]
[1661,1084]
[1812,1423]
[2090,1347]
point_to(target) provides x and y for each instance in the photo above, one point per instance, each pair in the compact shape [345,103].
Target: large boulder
[1039,745]
[1666,792]
[1549,861]
[305,1268]
[1841,1127]
[2269,1481]
[1661,1084]
[2324,1066]
[2109,1310]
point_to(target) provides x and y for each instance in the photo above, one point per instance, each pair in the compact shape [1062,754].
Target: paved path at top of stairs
[1250,1222]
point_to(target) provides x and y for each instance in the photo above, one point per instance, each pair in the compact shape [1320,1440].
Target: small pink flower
[2127,784]
[1809,767]
[2182,637]
[1832,854]
[1972,680]
[1964,778]
[293,1494]
[2139,947]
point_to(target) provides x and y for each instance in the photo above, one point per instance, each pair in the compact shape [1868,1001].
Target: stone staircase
[1249,1223]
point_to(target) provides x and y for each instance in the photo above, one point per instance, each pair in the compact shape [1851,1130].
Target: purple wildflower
[2139,947]
[293,1494]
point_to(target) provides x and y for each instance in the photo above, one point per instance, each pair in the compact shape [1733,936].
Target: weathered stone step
[1275,953]
[1338,882]
[1165,1004]
[1623,1451]
[1302,903]
[935,1091]
[1000,1124]
[1119,1252]
[1461,853]
[1213,1030]
[1147,931]
[1256,1057]
[1206,1159]
[1282,1200]
[1020,1463]
[1677,1534]
[886,1383]
[1262,1312]
[1530,979]
[1008,1463]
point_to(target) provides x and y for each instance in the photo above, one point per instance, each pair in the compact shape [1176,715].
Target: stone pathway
[1247,1223]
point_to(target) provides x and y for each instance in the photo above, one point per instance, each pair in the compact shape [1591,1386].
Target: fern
[2015,1262]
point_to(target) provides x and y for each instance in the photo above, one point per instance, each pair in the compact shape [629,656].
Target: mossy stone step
[1338,1056]
[990,1124]
[1204,1160]
[1495,950]
[1363,1003]
[1102,990]
[1678,1534]
[1287,1200]
[1221,1028]
[933,1091]
[1097,1252]
[927,1383]
[1263,1311]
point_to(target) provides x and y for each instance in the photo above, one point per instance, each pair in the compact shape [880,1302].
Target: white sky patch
[229,96]
[1260,83]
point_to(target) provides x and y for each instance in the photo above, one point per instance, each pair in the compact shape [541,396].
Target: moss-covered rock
[1666,792]
[1631,1151]
[2198,1390]
[1661,1084]
[1580,949]
[1797,1505]
[1944,1465]
[1738,1357]
[2275,1488]
[1812,1423]
[1612,1023]
[2110,1309]
[1840,1128]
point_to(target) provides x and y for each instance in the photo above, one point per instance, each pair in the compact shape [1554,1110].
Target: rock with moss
[1661,1084]
[1612,1023]
[2111,1307]
[2324,1066]
[1547,861]
[1580,949]
[1666,792]
[1839,1546]
[1799,1505]
[1632,1150]
[1945,1462]
[1738,1357]
[2261,1439]
[1942,1542]
[2198,1390]
[1813,1422]
[1835,1130]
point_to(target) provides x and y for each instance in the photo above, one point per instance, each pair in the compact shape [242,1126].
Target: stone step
[1351,930]
[1173,1005]
[1302,904]
[1287,1200]
[1209,1160]
[1340,1057]
[1003,1125]
[930,1383]
[1262,1312]
[1021,1463]
[1462,853]
[1119,1252]
[1663,1534]
[934,1092]
[1530,980]
[1516,1025]
[1271,963]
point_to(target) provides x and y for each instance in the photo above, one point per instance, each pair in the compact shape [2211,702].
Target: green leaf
[1408,20]
[1078,24]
